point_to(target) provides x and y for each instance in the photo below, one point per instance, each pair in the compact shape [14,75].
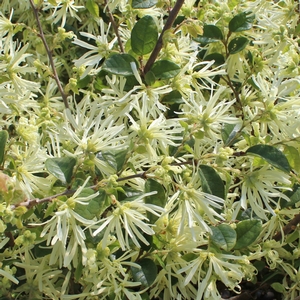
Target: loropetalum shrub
[148,149]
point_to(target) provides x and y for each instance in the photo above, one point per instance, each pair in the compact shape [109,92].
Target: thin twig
[172,16]
[49,53]
[115,27]
[291,226]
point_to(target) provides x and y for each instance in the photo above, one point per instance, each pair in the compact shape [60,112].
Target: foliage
[148,149]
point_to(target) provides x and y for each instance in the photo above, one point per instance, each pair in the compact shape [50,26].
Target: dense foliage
[148,149]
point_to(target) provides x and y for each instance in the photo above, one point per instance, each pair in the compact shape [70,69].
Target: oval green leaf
[3,140]
[115,158]
[147,272]
[223,236]
[241,22]
[211,181]
[61,168]
[217,57]
[119,64]
[95,206]
[247,232]
[143,3]
[158,199]
[237,44]
[272,155]
[144,36]
[164,69]
[92,7]
[211,34]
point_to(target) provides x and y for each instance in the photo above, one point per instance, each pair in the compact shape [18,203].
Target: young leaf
[119,64]
[223,236]
[211,181]
[293,157]
[143,3]
[144,36]
[147,272]
[272,155]
[165,69]
[93,8]
[237,44]
[241,22]
[61,168]
[3,140]
[247,232]
[229,132]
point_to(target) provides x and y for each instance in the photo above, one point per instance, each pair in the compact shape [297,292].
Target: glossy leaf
[95,207]
[272,155]
[229,132]
[119,64]
[294,196]
[92,7]
[217,57]
[165,69]
[147,272]
[247,232]
[211,181]
[61,168]
[172,98]
[144,36]
[115,158]
[223,236]
[211,34]
[143,3]
[3,140]
[158,199]
[241,22]
[237,44]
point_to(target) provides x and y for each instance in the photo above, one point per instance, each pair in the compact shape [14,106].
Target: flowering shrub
[148,149]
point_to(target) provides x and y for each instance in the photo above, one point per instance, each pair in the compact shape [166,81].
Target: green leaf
[217,57]
[61,168]
[92,7]
[241,22]
[293,157]
[144,36]
[237,44]
[150,78]
[278,287]
[147,272]
[247,232]
[223,236]
[172,98]
[165,69]
[211,181]
[119,64]
[229,132]
[294,196]
[143,3]
[3,140]
[158,199]
[272,155]
[95,206]
[211,34]
[115,158]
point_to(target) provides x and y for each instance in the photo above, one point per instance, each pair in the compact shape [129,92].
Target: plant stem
[291,226]
[49,53]
[172,16]
[115,27]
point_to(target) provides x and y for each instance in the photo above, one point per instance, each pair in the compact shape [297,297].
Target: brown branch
[115,27]
[291,226]
[49,53]
[172,16]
